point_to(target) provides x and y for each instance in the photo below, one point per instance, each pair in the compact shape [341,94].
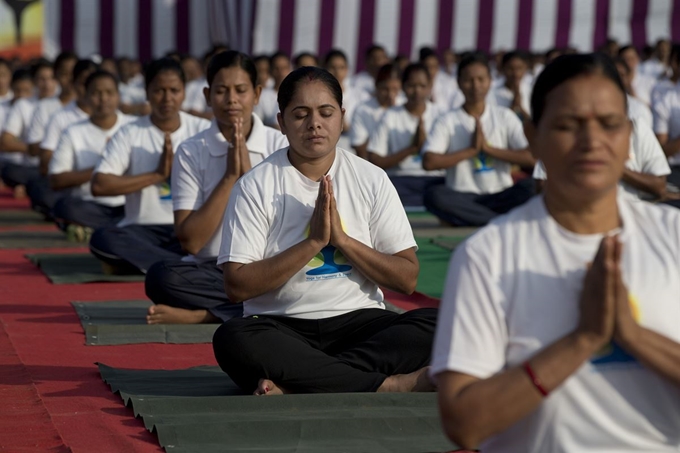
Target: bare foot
[165,314]
[418,381]
[20,192]
[267,388]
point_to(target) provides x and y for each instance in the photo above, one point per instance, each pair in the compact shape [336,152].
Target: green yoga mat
[124,322]
[434,262]
[14,217]
[200,409]
[35,240]
[63,268]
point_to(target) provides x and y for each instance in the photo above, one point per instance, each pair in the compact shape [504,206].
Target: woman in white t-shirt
[395,145]
[137,163]
[477,144]
[558,328]
[368,115]
[78,152]
[310,235]
[207,165]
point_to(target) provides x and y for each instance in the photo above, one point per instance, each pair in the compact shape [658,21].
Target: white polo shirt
[134,150]
[643,86]
[639,111]
[18,123]
[661,88]
[41,118]
[513,289]
[269,211]
[645,156]
[200,165]
[395,133]
[482,174]
[60,120]
[363,81]
[445,92]
[365,121]
[81,147]
[503,96]
[131,94]
[267,107]
[667,119]
[194,99]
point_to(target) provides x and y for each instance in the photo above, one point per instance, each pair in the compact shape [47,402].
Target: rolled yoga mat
[63,268]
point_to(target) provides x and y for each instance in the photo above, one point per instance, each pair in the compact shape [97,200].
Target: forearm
[489,406]
[105,185]
[434,161]
[394,272]
[362,150]
[391,160]
[523,158]
[34,149]
[243,282]
[11,144]
[657,352]
[655,185]
[70,179]
[671,147]
[199,226]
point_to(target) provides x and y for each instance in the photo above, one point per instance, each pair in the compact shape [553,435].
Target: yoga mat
[14,217]
[434,263]
[448,243]
[63,268]
[200,409]
[35,240]
[124,322]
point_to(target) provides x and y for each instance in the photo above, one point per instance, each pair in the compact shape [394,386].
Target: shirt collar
[256,143]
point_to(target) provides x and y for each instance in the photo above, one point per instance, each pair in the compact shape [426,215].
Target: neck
[313,169]
[474,108]
[84,106]
[582,216]
[4,92]
[415,109]
[104,122]
[166,125]
[675,77]
[384,104]
[227,129]
[66,96]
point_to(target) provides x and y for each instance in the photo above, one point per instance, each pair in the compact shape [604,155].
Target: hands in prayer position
[326,227]
[165,163]
[238,159]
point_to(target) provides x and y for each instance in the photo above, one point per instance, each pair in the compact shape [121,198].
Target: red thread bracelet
[534,379]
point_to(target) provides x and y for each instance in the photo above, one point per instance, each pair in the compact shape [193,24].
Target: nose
[314,122]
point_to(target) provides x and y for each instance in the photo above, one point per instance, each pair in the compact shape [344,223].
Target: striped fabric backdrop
[146,28]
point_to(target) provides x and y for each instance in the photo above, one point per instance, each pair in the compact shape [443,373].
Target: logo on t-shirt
[164,191]
[327,264]
[483,162]
[612,355]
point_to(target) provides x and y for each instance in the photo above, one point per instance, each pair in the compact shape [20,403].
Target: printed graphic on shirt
[164,191]
[612,355]
[328,263]
[483,163]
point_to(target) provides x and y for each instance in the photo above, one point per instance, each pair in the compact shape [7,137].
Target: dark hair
[291,83]
[5,63]
[231,59]
[513,55]
[163,65]
[38,65]
[334,53]
[261,57]
[411,69]
[622,62]
[387,72]
[100,74]
[83,66]
[675,53]
[63,57]
[628,47]
[21,74]
[473,58]
[278,54]
[425,53]
[302,55]
[567,67]
[373,48]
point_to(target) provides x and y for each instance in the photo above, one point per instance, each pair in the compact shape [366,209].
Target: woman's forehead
[313,93]
[594,94]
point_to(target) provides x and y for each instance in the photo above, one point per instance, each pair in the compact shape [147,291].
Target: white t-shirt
[395,132]
[645,156]
[365,121]
[653,68]
[363,81]
[6,97]
[503,96]
[135,149]
[194,99]
[445,92]
[14,158]
[643,86]
[81,147]
[17,123]
[267,107]
[482,174]
[63,118]
[513,289]
[200,165]
[638,110]
[41,118]
[131,94]
[661,88]
[667,119]
[269,211]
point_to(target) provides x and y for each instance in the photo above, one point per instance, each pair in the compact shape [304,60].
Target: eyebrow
[325,106]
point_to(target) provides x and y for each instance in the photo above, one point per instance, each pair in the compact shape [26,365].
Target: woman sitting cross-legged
[309,237]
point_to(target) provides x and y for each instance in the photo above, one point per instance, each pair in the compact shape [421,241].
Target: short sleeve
[63,158]
[662,115]
[439,138]
[471,335]
[36,131]
[390,229]
[52,133]
[245,230]
[539,171]
[14,124]
[651,157]
[379,141]
[185,180]
[116,158]
[515,131]
[359,133]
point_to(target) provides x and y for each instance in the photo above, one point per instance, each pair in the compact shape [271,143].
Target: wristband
[534,379]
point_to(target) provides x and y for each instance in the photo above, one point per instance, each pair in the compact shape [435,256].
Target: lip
[590,164]
[315,138]
[232,112]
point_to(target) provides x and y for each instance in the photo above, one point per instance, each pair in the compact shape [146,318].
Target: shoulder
[192,144]
[263,173]
[193,122]
[658,222]
[78,128]
[365,171]
[275,137]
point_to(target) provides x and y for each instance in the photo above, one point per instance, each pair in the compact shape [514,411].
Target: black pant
[18,175]
[192,286]
[74,210]
[43,198]
[354,352]
[472,209]
[412,188]
[135,247]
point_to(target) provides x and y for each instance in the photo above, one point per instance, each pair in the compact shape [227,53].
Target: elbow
[409,287]
[428,165]
[54,182]
[234,294]
[189,246]
[458,435]
[97,188]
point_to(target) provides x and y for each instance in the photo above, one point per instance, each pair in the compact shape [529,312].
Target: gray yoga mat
[35,240]
[124,322]
[63,268]
[18,217]
[200,409]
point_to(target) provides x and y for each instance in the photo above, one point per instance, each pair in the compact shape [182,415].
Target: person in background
[207,165]
[76,155]
[667,128]
[637,110]
[515,92]
[267,108]
[450,62]
[672,80]
[305,59]
[5,81]
[109,65]
[445,92]
[401,62]
[477,145]
[368,115]
[641,84]
[610,48]
[375,57]
[264,78]
[21,87]
[558,323]
[131,88]
[194,101]
[396,143]
[137,163]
